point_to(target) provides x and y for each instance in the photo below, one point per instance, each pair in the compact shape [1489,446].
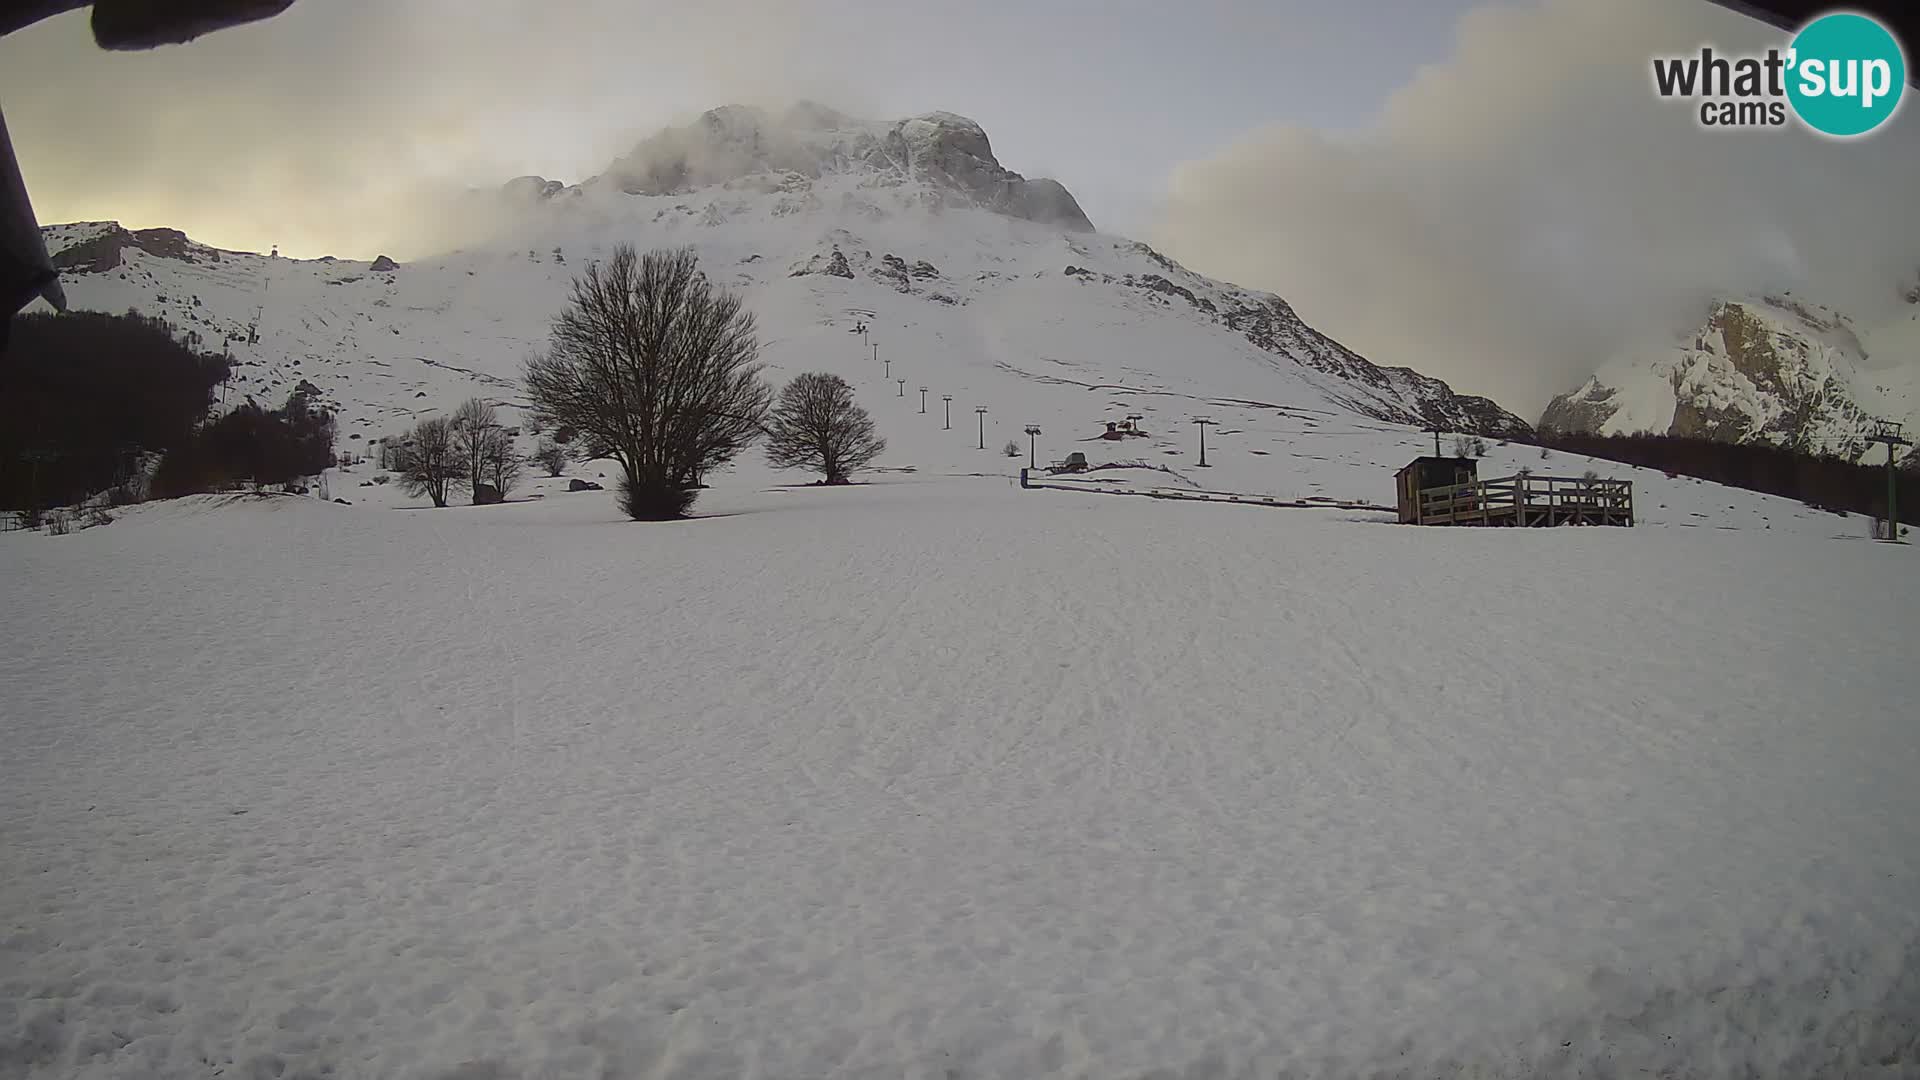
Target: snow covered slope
[975,309]
[907,227]
[1761,368]
[941,778]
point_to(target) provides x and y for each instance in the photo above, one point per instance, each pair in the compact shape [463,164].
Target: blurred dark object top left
[26,272]
[144,24]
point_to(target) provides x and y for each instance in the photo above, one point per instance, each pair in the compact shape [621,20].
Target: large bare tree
[817,425]
[656,369]
[476,427]
[429,460]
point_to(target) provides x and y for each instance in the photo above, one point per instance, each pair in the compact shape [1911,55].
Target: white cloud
[344,126]
[1526,208]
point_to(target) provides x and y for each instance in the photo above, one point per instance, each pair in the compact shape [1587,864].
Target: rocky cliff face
[747,147]
[1769,368]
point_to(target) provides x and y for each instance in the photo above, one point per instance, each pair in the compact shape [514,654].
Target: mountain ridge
[733,143]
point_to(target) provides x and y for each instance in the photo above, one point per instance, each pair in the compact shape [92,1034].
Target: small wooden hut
[1429,472]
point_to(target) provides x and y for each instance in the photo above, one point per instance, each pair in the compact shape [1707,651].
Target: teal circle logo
[1846,74]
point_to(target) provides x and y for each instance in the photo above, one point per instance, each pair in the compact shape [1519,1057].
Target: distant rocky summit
[102,251]
[1758,369]
[735,143]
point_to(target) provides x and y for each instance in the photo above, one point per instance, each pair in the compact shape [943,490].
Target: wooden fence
[1529,501]
[1085,482]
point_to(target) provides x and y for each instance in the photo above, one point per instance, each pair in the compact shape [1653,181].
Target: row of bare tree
[651,366]
[469,449]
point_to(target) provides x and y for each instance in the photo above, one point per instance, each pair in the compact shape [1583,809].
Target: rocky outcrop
[893,270]
[953,151]
[103,252]
[833,264]
[383,265]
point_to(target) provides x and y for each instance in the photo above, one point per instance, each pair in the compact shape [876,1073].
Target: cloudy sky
[1486,191]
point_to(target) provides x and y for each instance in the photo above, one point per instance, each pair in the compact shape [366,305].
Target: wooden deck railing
[1529,500]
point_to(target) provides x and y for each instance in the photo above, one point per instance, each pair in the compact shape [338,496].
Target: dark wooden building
[1429,472]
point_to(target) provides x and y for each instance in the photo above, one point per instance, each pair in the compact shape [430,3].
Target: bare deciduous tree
[655,368]
[474,426]
[499,465]
[428,462]
[817,425]
[552,457]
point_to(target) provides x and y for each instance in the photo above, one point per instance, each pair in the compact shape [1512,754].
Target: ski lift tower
[1886,431]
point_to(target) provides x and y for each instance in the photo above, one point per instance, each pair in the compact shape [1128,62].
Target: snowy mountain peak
[1767,368]
[737,144]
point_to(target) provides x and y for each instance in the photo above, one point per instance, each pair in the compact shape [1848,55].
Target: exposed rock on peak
[101,251]
[384,264]
[834,264]
[1764,368]
[739,145]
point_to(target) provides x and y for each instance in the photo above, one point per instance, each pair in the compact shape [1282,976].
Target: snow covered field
[939,778]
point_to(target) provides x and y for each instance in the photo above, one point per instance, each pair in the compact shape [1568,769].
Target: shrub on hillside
[552,457]
[1469,446]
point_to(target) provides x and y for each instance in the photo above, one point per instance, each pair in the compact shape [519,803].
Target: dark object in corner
[26,273]
[123,25]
